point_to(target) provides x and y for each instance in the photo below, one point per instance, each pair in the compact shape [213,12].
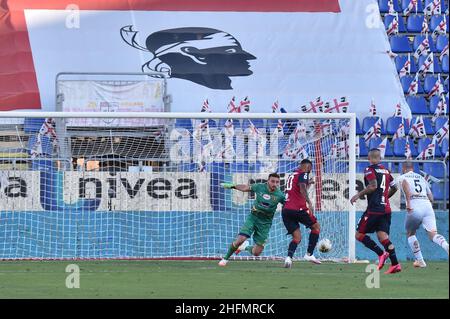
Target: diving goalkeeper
[259,221]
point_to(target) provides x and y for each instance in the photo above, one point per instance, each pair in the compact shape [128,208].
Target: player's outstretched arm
[239,187]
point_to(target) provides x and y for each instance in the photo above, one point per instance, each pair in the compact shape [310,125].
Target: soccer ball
[325,245]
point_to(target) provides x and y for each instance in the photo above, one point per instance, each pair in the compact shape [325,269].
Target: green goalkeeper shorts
[258,227]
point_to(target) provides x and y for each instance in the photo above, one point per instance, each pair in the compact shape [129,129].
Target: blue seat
[374,143]
[384,7]
[438,189]
[446,85]
[440,122]
[388,20]
[399,147]
[400,44]
[437,67]
[444,149]
[445,64]
[415,165]
[362,147]
[32,125]
[424,142]
[414,23]
[405,4]
[46,144]
[358,128]
[435,20]
[418,40]
[434,101]
[370,121]
[401,60]
[435,169]
[443,5]
[184,123]
[441,42]
[429,82]
[417,104]
[392,124]
[406,82]
[429,129]
[360,167]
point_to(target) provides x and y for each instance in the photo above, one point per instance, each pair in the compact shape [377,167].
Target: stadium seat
[429,129]
[358,128]
[414,23]
[444,149]
[259,123]
[415,165]
[401,60]
[417,104]
[441,42]
[184,123]
[438,190]
[401,24]
[437,67]
[32,125]
[406,82]
[362,147]
[424,142]
[369,121]
[374,143]
[418,40]
[392,124]
[445,68]
[399,147]
[384,7]
[429,82]
[434,101]
[405,4]
[46,144]
[440,122]
[443,5]
[446,86]
[434,21]
[435,169]
[400,44]
[360,167]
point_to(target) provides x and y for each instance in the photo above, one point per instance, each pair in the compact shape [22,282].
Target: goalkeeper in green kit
[259,221]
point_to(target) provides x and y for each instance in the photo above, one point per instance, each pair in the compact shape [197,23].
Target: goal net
[148,185]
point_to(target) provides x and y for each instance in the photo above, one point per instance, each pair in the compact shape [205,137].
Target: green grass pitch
[205,280]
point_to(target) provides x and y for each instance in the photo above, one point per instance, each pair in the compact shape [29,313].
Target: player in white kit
[420,211]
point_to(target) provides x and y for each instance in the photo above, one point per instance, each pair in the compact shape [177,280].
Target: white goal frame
[176,115]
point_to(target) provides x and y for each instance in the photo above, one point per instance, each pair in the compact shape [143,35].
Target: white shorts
[422,213]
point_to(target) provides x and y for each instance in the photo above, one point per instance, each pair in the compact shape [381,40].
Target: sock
[292,248]
[415,247]
[369,243]
[391,250]
[440,240]
[313,238]
[249,249]
[230,252]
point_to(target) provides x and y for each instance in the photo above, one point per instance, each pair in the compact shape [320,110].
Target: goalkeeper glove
[228,185]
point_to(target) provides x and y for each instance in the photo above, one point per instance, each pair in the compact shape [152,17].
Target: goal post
[139,185]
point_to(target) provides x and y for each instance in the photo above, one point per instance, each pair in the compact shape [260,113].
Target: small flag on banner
[425,28]
[244,105]
[393,26]
[314,106]
[438,87]
[411,6]
[275,107]
[444,52]
[372,108]
[406,69]
[232,108]
[339,106]
[398,110]
[441,28]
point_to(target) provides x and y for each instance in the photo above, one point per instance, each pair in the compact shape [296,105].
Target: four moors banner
[285,50]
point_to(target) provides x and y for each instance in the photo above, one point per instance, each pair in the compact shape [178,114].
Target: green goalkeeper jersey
[266,202]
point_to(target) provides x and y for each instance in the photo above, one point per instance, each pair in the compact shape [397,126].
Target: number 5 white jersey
[423,212]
